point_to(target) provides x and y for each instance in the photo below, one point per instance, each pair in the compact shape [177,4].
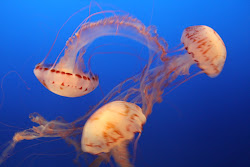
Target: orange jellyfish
[111,128]
[66,78]
[204,47]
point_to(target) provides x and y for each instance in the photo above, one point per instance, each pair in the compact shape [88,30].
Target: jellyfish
[67,78]
[204,47]
[111,128]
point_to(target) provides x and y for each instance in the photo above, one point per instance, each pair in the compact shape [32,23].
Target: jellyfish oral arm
[53,128]
[113,26]
[180,64]
[46,129]
[28,134]
[121,155]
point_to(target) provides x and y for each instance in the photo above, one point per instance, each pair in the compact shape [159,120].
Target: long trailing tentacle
[2,81]
[7,151]
[61,29]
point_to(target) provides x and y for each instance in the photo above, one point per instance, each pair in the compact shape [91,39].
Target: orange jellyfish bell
[206,48]
[64,82]
[110,129]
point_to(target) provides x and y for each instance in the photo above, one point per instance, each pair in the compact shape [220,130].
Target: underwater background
[204,122]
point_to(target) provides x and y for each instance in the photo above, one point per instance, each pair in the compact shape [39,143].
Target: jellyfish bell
[204,47]
[65,82]
[110,129]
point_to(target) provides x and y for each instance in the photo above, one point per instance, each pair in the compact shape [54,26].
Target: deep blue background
[205,122]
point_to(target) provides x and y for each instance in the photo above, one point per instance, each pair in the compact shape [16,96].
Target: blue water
[204,122]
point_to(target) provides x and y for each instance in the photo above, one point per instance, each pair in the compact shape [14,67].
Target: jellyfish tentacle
[2,82]
[61,29]
[135,147]
[8,151]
